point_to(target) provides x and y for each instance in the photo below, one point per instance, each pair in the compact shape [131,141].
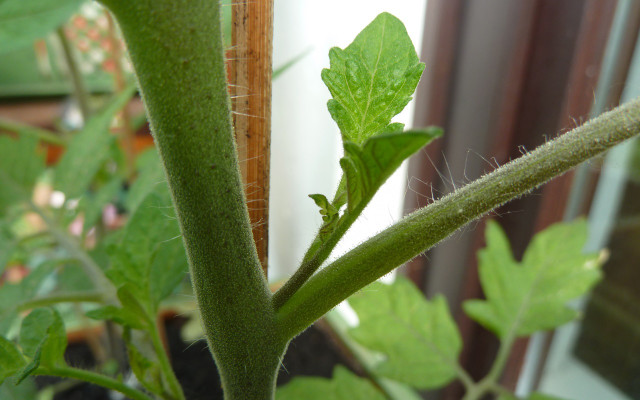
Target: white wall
[305,142]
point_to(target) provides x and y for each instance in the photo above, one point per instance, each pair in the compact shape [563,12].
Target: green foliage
[146,370]
[23,21]
[92,205]
[26,390]
[534,396]
[526,297]
[13,295]
[88,149]
[6,245]
[373,79]
[18,173]
[11,360]
[150,257]
[343,386]
[131,314]
[418,338]
[43,337]
[43,340]
[368,167]
[370,81]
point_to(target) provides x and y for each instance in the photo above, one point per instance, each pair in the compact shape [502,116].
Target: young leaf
[43,337]
[150,257]
[372,79]
[147,371]
[131,314]
[11,360]
[418,338]
[20,166]
[369,166]
[88,149]
[526,297]
[330,214]
[22,22]
[12,295]
[343,386]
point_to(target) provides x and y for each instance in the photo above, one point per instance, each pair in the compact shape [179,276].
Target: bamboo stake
[250,70]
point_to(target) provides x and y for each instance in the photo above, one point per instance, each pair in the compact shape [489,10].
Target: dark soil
[310,354]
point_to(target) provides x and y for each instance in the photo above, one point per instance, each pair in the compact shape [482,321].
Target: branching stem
[426,227]
[95,378]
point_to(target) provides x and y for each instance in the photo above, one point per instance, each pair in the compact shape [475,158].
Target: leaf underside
[343,386]
[530,296]
[418,338]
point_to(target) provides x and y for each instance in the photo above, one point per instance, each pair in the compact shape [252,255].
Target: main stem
[176,49]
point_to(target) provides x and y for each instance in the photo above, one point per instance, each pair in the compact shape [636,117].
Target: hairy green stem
[80,90]
[177,52]
[95,378]
[426,227]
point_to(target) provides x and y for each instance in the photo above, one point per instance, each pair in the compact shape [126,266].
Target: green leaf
[26,390]
[20,166]
[147,371]
[330,214]
[23,21]
[43,337]
[150,257]
[131,314]
[368,167]
[150,179]
[373,79]
[94,205]
[526,297]
[7,245]
[343,386]
[12,295]
[88,149]
[418,338]
[11,360]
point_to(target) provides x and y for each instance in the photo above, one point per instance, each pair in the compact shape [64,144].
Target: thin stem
[95,378]
[464,377]
[93,270]
[165,364]
[426,227]
[500,390]
[78,297]
[42,134]
[490,382]
[80,90]
[313,259]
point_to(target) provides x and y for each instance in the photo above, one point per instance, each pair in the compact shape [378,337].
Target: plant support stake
[250,70]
